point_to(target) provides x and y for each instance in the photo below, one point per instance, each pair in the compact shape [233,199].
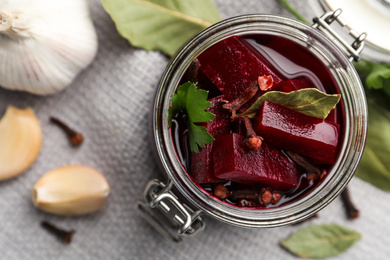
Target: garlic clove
[45,44]
[20,141]
[5,20]
[71,190]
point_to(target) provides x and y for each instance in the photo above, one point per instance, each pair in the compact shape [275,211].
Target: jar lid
[370,16]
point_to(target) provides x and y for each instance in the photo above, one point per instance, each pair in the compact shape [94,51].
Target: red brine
[228,68]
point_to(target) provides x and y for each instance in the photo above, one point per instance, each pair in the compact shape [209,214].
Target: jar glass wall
[353,131]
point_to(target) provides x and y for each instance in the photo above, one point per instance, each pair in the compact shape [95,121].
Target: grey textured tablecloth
[109,103]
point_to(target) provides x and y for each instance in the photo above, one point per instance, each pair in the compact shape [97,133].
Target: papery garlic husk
[44,44]
[20,141]
[71,190]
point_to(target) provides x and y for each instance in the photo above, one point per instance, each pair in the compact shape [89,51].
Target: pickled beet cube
[295,84]
[267,166]
[232,67]
[202,169]
[206,84]
[294,131]
[220,124]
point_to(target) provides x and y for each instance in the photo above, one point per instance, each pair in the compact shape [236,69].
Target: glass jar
[190,201]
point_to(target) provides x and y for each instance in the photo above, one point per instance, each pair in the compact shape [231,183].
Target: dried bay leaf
[374,166]
[309,101]
[163,25]
[320,241]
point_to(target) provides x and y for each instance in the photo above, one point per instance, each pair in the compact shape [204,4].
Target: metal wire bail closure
[174,219]
[323,24]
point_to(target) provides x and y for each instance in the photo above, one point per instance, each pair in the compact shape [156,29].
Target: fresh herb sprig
[193,102]
[374,75]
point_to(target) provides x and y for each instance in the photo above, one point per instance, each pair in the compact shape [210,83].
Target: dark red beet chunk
[202,163]
[232,67]
[294,84]
[294,131]
[202,166]
[266,166]
[219,126]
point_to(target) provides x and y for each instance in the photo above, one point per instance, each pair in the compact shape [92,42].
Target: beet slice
[220,124]
[294,131]
[202,169]
[267,166]
[294,84]
[232,67]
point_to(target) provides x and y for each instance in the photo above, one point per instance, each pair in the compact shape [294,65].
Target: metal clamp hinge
[351,50]
[177,219]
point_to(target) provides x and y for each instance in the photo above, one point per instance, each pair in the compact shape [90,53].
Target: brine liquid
[289,61]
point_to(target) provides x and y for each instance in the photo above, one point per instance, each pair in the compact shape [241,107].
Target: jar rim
[355,129]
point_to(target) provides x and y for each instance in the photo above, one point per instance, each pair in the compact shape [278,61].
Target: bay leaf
[163,25]
[320,241]
[374,166]
[309,101]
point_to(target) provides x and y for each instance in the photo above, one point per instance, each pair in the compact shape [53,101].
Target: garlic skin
[44,43]
[71,190]
[20,141]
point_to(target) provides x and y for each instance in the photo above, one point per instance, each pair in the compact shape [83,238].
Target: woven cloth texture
[109,103]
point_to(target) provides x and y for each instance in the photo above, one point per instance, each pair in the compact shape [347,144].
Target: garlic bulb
[71,190]
[44,44]
[20,141]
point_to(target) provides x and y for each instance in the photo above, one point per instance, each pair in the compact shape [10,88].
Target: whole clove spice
[276,196]
[252,140]
[64,236]
[265,82]
[312,171]
[221,192]
[244,194]
[193,70]
[237,103]
[75,138]
[351,210]
[265,196]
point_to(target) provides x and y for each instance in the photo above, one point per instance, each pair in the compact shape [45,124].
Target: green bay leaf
[163,25]
[320,241]
[309,101]
[374,166]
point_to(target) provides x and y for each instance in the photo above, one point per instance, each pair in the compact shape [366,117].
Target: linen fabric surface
[109,103]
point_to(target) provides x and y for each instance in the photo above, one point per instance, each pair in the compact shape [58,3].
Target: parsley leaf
[194,102]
